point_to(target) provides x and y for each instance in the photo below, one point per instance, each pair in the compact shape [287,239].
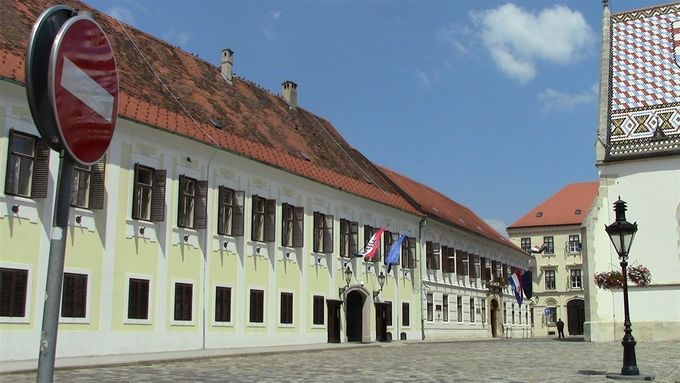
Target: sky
[492,103]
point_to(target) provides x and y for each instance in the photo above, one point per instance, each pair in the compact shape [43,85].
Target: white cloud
[123,14]
[517,39]
[423,78]
[269,28]
[498,225]
[556,100]
[181,39]
[455,34]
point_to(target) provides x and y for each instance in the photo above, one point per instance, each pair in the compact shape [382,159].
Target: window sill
[182,323]
[24,319]
[28,208]
[144,322]
[256,324]
[286,325]
[85,320]
[223,324]
[319,326]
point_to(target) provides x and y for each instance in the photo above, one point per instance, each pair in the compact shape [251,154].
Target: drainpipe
[421,228]
[206,238]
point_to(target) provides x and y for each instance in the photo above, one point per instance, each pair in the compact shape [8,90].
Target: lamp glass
[348,275]
[381,279]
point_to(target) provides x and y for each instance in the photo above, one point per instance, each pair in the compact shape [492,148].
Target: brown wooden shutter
[299,227]
[221,200]
[270,221]
[158,196]
[328,234]
[473,266]
[429,261]
[237,213]
[436,251]
[412,253]
[40,170]
[201,208]
[484,271]
[97,185]
[368,233]
[445,259]
[459,262]
[353,238]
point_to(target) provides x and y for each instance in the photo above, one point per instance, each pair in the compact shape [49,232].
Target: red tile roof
[256,123]
[569,206]
[439,206]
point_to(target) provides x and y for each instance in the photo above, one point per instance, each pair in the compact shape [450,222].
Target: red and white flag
[370,252]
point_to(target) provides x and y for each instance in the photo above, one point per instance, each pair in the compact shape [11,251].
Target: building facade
[222,215]
[552,233]
[638,159]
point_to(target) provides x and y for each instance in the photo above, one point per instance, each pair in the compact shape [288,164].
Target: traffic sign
[83,88]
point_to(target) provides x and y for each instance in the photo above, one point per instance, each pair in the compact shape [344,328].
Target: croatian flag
[539,249]
[515,281]
[370,252]
[395,253]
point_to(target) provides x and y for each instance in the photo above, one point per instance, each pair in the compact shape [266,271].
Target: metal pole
[55,272]
[628,342]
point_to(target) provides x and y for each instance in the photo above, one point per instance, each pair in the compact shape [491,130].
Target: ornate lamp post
[348,279]
[621,233]
[381,282]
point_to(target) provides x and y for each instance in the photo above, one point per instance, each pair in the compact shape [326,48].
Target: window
[461,262]
[349,238]
[472,310]
[432,253]
[138,298]
[430,308]
[575,278]
[483,304]
[408,251]
[264,214]
[223,304]
[485,268]
[286,308]
[387,240]
[368,234]
[388,313]
[318,310]
[74,296]
[574,244]
[550,279]
[550,242]
[256,306]
[525,244]
[183,301]
[192,209]
[87,190]
[405,317]
[292,225]
[473,266]
[13,292]
[445,307]
[323,233]
[513,313]
[550,314]
[505,313]
[230,212]
[459,308]
[27,166]
[148,202]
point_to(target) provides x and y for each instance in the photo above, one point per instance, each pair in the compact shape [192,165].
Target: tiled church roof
[438,206]
[570,206]
[256,123]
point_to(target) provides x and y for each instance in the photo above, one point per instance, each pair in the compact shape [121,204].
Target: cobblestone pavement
[536,360]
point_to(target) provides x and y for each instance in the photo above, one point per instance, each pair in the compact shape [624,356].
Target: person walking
[560,329]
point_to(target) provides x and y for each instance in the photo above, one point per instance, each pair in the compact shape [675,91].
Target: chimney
[227,66]
[290,93]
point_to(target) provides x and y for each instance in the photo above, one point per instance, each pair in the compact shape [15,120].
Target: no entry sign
[83,88]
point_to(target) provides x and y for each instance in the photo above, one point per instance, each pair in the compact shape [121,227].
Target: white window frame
[29,292]
[325,309]
[88,296]
[126,298]
[278,304]
[171,306]
[264,306]
[213,295]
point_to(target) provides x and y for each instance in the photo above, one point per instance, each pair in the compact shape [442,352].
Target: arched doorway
[355,308]
[576,316]
[493,318]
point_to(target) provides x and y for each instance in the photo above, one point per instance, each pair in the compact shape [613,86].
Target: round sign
[83,88]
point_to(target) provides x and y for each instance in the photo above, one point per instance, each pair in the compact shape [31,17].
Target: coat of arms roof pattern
[644,116]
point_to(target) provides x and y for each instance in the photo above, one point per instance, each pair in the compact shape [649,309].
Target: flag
[371,250]
[539,249]
[527,284]
[395,253]
[515,280]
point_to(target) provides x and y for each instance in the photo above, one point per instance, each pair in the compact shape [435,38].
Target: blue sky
[493,103]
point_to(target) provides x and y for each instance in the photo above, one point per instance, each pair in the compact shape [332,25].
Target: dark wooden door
[576,317]
[381,322]
[355,302]
[333,307]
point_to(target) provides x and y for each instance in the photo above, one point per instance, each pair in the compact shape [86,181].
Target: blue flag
[395,253]
[527,284]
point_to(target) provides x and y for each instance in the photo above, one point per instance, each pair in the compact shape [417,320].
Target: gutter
[421,228]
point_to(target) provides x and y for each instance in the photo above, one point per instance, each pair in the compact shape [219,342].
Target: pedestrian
[560,329]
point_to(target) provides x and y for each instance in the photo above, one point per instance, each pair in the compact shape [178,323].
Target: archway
[493,319]
[355,311]
[576,316]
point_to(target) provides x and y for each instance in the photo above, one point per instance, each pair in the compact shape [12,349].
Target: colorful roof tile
[570,206]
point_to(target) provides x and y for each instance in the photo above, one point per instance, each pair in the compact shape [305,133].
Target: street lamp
[348,279]
[621,233]
[381,282]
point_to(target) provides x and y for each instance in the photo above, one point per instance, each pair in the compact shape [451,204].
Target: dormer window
[577,212]
[539,214]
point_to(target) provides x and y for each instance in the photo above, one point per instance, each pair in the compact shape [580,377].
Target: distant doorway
[333,308]
[381,322]
[493,314]
[576,316]
[355,304]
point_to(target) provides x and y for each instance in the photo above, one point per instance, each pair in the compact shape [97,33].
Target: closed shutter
[473,266]
[237,213]
[158,196]
[13,286]
[484,270]
[299,227]
[328,234]
[494,270]
[41,170]
[368,233]
[353,238]
[459,262]
[201,208]
[445,259]
[270,221]
[429,259]
[386,243]
[436,251]
[97,185]
[412,253]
